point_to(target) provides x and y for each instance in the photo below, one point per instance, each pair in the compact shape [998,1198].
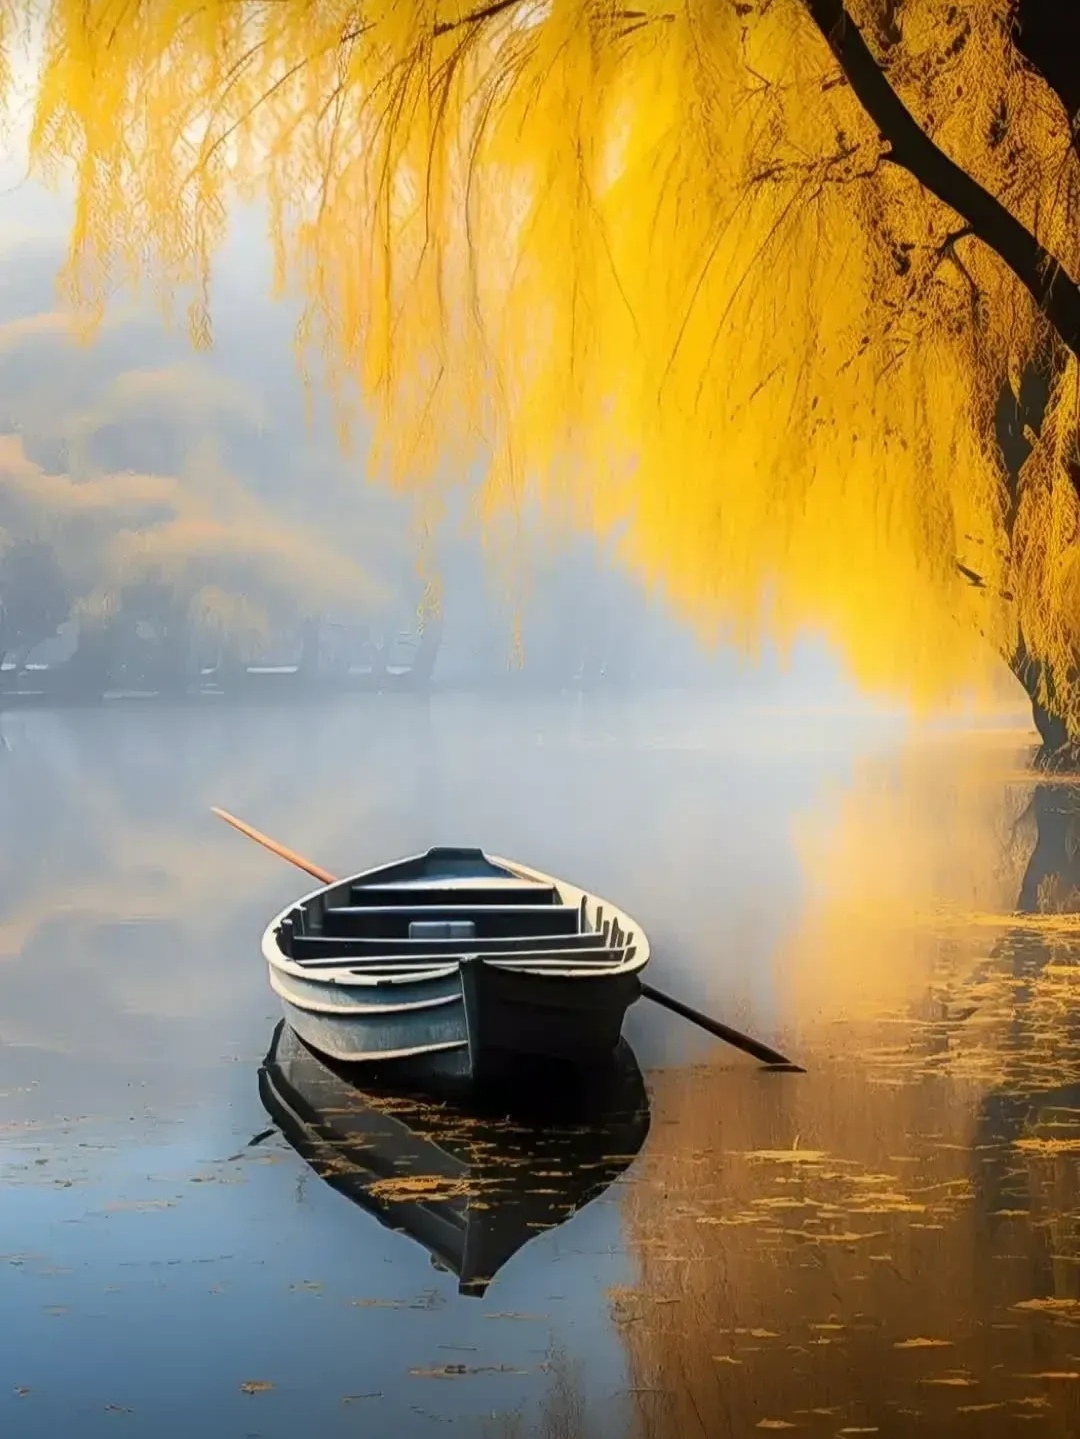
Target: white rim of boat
[344,975]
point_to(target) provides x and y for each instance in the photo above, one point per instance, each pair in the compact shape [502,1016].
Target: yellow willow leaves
[647,266]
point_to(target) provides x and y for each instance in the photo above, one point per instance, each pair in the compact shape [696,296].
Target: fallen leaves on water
[422,1186]
[1048,1147]
[457,1371]
[785,1156]
[1063,1308]
[139,1206]
[256,1386]
[1062,923]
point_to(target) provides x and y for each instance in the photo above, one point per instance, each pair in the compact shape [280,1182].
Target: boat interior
[442,905]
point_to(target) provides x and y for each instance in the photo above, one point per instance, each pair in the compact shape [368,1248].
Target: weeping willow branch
[1048,283]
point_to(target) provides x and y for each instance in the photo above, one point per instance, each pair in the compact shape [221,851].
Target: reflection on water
[470,1184]
[154,1261]
[889,1243]
[893,1246]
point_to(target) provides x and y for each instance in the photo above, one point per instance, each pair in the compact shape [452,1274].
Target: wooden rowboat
[455,964]
[464,1182]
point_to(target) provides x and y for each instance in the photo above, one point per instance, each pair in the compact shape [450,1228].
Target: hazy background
[150,476]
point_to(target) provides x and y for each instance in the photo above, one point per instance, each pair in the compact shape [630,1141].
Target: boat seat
[508,891]
[392,921]
[442,929]
[340,950]
[541,959]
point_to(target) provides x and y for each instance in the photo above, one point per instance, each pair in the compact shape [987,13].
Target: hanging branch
[1054,291]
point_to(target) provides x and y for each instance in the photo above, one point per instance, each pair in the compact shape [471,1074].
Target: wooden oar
[322,875]
[771,1057]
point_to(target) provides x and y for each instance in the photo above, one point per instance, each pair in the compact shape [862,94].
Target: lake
[888,1244]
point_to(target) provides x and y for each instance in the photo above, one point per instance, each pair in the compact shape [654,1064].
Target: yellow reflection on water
[890,1244]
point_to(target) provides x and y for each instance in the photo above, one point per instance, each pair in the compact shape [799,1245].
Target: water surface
[888,1244]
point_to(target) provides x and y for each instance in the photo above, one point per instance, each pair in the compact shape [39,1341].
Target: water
[888,1244]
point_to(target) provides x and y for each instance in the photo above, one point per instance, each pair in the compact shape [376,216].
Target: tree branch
[1054,291]
[474,17]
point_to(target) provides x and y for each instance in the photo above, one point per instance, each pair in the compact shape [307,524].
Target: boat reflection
[465,1180]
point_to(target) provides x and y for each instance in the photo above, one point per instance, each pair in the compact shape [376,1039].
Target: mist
[202,509]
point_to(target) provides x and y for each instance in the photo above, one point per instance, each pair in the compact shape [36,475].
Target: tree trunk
[426,653]
[1052,879]
[87,672]
[1016,416]
[310,651]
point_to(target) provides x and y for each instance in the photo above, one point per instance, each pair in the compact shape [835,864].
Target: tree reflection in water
[892,1244]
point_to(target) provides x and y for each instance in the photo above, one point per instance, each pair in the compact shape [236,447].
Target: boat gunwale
[348,977]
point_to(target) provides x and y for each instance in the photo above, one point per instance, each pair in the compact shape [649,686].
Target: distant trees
[34,598]
[118,511]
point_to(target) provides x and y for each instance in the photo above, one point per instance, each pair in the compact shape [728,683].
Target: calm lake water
[888,1244]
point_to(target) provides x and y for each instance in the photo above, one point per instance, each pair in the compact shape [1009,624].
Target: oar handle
[316,871]
[771,1057]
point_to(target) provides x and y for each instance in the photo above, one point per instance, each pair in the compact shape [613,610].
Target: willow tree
[774,295]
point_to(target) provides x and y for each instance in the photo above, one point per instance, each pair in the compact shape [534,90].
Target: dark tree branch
[1054,291]
[474,17]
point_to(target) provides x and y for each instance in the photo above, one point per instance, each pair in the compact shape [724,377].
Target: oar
[771,1057]
[323,875]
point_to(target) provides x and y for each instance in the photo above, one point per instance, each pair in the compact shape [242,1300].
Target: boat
[467,1183]
[456,965]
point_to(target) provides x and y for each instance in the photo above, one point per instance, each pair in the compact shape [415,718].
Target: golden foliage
[650,264]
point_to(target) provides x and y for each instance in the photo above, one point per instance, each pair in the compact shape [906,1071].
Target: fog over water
[135,1012]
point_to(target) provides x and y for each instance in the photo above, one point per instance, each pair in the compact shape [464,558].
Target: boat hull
[514,1016]
[418,1026]
[496,1021]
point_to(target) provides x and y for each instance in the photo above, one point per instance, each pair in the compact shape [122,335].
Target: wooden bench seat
[494,892]
[340,950]
[540,959]
[491,921]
